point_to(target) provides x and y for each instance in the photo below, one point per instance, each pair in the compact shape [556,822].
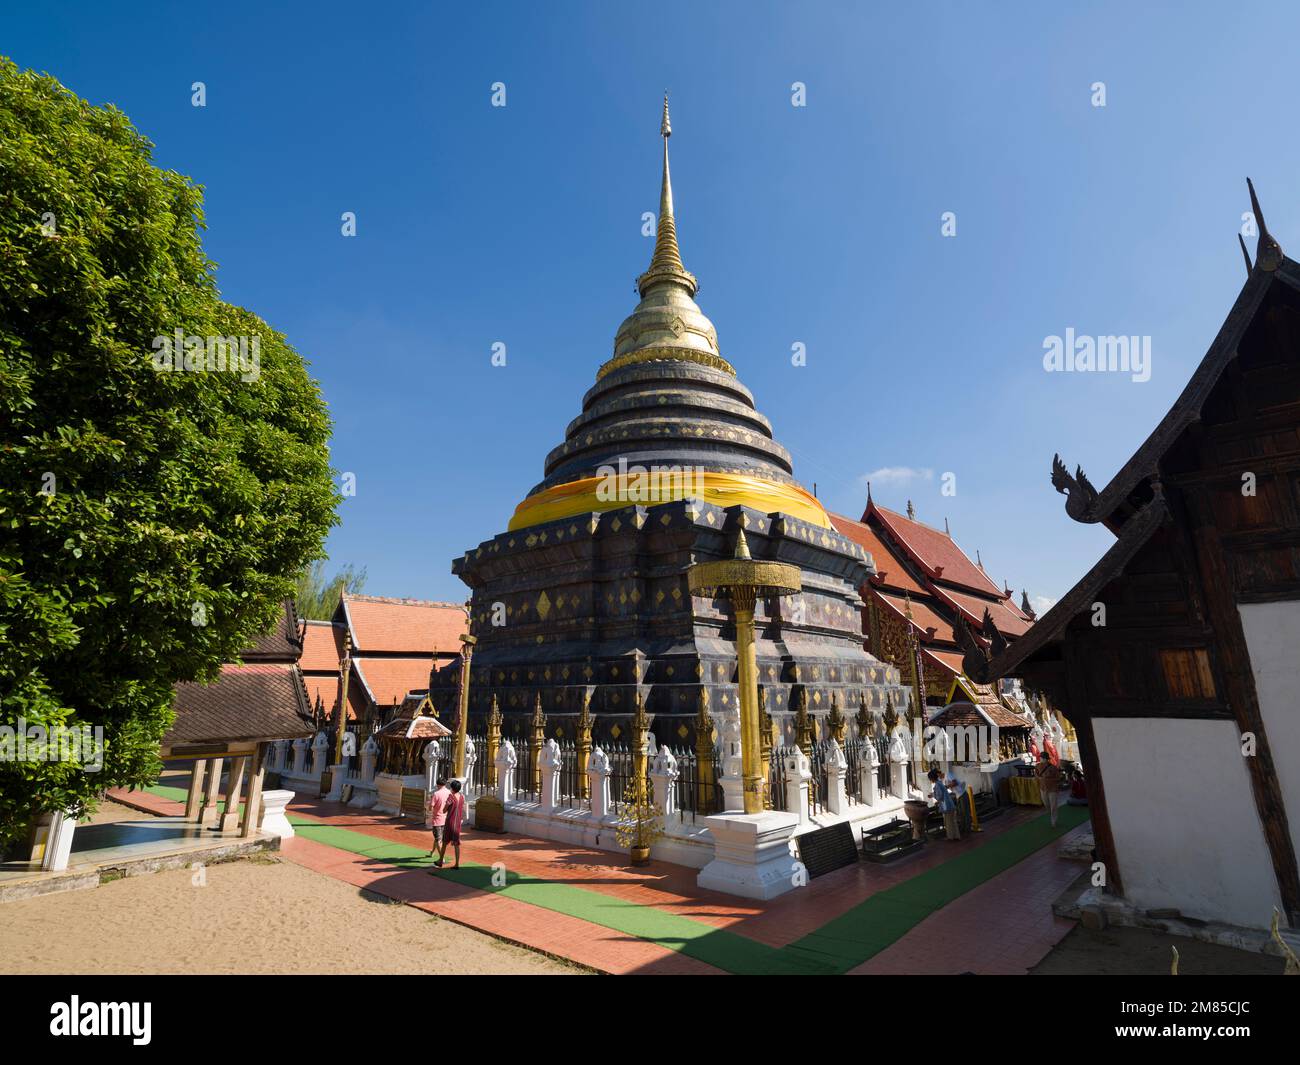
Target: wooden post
[234,786]
[209,811]
[194,800]
[253,804]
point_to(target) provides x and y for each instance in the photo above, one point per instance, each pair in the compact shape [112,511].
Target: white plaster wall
[1273,639]
[1186,830]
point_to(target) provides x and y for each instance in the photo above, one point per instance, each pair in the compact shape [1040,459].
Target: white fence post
[550,767]
[369,755]
[507,759]
[598,778]
[798,773]
[867,769]
[837,766]
[319,749]
[663,776]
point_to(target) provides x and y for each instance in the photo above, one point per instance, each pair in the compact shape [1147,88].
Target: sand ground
[258,915]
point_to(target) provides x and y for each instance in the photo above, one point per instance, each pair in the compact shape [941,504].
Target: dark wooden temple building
[1177,656]
[585,595]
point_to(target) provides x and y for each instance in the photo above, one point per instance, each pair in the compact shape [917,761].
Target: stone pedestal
[338,778]
[273,818]
[300,757]
[751,854]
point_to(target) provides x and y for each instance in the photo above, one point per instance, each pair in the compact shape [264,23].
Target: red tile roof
[935,552]
[1009,622]
[411,625]
[389,679]
[892,572]
[949,660]
[249,701]
[327,688]
[923,616]
[322,647]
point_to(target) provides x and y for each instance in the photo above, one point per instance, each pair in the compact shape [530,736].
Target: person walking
[456,806]
[438,819]
[946,803]
[1049,783]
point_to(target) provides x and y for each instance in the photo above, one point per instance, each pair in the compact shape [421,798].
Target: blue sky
[818,224]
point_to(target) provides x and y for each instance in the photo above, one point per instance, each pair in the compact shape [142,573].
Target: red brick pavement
[1005,925]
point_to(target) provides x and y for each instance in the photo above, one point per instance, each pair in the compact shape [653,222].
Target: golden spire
[666,264]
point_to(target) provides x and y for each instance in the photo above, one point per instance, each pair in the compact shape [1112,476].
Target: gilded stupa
[584,598]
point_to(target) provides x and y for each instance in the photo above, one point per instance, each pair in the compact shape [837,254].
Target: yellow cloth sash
[646,489]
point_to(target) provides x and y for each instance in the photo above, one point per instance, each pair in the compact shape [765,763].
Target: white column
[58,845]
[837,766]
[550,766]
[319,752]
[899,756]
[300,746]
[663,778]
[507,759]
[598,778]
[798,772]
[369,755]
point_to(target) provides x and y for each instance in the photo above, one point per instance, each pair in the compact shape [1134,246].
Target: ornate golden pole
[704,745]
[640,750]
[467,643]
[767,737]
[345,667]
[584,744]
[742,579]
[493,743]
[535,742]
[803,723]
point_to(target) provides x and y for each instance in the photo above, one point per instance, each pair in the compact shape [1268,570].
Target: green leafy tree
[150,520]
[318,597]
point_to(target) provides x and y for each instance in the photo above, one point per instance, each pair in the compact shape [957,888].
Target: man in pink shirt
[438,818]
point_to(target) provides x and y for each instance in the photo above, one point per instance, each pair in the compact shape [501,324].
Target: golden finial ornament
[666,263]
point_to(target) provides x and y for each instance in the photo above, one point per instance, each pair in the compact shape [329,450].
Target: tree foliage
[150,521]
[318,597]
